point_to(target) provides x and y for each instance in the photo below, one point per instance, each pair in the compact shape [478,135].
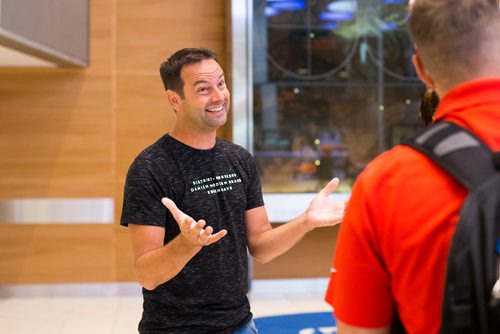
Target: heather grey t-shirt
[217,185]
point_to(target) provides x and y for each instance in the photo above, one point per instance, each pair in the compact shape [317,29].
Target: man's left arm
[266,243]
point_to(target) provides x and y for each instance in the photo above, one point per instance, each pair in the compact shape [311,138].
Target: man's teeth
[219,108]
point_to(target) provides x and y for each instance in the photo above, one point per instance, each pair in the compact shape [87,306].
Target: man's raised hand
[323,211]
[193,232]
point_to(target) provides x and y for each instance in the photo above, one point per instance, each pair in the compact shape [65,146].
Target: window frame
[281,207]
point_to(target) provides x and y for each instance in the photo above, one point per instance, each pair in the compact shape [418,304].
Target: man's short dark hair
[455,38]
[170,70]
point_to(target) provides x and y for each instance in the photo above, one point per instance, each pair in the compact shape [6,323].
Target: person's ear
[422,73]
[173,98]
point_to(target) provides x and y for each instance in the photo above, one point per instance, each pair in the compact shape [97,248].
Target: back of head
[457,40]
[170,70]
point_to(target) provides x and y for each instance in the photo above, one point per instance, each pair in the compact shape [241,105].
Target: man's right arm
[154,262]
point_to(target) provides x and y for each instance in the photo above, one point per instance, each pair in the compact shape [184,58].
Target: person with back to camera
[393,244]
[193,205]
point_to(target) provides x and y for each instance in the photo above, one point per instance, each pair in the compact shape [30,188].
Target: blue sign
[302,323]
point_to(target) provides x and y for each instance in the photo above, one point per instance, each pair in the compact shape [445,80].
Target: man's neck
[200,141]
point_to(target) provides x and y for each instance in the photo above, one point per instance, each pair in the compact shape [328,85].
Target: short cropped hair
[455,38]
[170,70]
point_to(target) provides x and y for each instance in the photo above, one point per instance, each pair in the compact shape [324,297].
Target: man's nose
[218,95]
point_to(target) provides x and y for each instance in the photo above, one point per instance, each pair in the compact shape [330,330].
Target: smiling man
[193,204]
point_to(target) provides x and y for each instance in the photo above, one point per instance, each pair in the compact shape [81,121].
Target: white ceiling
[13,58]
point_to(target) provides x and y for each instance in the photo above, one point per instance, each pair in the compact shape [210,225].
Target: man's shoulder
[398,157]
[398,165]
[232,147]
[159,148]
[154,154]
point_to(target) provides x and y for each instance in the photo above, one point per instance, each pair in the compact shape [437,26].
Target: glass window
[331,87]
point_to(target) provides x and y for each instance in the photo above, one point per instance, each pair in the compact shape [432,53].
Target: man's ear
[421,71]
[173,98]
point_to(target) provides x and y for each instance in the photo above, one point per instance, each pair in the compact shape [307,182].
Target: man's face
[206,98]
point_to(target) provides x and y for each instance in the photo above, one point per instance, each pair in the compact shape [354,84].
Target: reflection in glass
[333,87]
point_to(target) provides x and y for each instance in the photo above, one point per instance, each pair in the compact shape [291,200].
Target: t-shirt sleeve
[142,195]
[254,188]
[359,289]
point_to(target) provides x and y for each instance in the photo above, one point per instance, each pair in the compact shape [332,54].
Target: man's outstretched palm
[322,210]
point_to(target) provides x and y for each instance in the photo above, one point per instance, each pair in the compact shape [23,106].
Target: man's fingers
[205,234]
[207,238]
[217,236]
[193,230]
[174,210]
[179,216]
[198,226]
[331,186]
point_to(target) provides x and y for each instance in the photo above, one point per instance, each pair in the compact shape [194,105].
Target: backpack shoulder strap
[456,150]
[471,265]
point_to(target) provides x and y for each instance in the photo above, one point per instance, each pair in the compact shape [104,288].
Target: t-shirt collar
[469,94]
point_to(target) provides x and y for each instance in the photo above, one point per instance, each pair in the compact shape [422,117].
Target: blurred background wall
[71,133]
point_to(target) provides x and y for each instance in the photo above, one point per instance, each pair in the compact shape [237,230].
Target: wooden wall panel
[142,116]
[55,138]
[60,132]
[102,36]
[146,35]
[57,141]
[70,133]
[311,257]
[55,253]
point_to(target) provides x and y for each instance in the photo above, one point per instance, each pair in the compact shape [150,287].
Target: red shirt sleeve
[359,288]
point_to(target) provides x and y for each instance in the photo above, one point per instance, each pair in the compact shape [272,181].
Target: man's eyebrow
[202,81]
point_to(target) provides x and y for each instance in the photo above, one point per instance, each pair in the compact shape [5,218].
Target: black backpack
[471,301]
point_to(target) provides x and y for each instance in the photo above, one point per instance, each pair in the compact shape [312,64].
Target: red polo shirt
[392,246]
